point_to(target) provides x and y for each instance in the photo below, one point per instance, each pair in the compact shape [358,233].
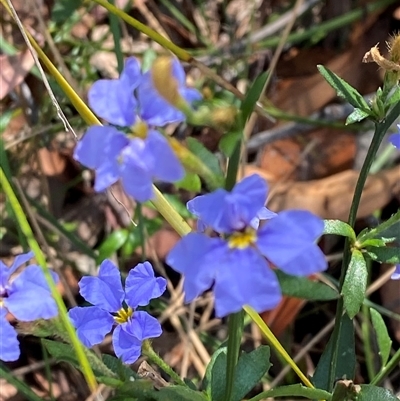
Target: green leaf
[304,288]
[346,357]
[355,283]
[228,142]
[5,118]
[63,9]
[339,227]
[207,157]
[382,336]
[296,390]
[191,182]
[251,367]
[394,98]
[369,392]
[124,372]
[356,116]
[386,254]
[179,393]
[387,229]
[252,96]
[140,390]
[111,244]
[344,89]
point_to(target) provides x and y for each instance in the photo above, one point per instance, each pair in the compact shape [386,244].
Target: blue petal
[9,344]
[106,175]
[295,253]
[191,256]
[136,171]
[262,214]
[29,296]
[91,323]
[141,285]
[154,109]
[114,101]
[126,346]
[394,139]
[166,166]
[131,75]
[190,95]
[99,146]
[142,326]
[396,273]
[104,291]
[6,272]
[244,278]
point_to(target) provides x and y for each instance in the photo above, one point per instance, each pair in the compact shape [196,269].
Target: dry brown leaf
[13,71]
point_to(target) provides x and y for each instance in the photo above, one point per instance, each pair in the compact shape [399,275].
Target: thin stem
[26,229]
[387,369]
[233,166]
[116,33]
[148,350]
[235,330]
[380,131]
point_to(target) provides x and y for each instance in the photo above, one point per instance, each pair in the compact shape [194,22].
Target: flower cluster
[27,296]
[236,263]
[394,139]
[112,305]
[133,103]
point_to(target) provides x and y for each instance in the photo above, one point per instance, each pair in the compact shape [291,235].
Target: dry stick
[44,243]
[60,113]
[253,118]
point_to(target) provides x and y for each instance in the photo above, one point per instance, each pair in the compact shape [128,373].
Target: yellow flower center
[140,129]
[242,239]
[123,315]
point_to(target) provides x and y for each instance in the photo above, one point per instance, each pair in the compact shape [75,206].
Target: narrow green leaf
[179,393]
[344,89]
[356,116]
[228,143]
[5,118]
[339,227]
[294,390]
[389,228]
[382,336]
[207,157]
[385,254]
[124,372]
[304,288]
[369,392]
[252,96]
[346,357]
[111,244]
[394,98]
[355,283]
[191,182]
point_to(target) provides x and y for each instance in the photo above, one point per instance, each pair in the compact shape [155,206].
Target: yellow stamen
[123,315]
[140,130]
[242,239]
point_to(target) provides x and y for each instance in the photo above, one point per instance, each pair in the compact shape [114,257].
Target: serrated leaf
[304,288]
[252,96]
[207,157]
[339,227]
[111,244]
[384,254]
[369,392]
[355,283]
[356,116]
[343,89]
[346,357]
[228,143]
[382,336]
[190,182]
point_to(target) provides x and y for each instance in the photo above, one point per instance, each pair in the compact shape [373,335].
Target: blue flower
[112,305]
[394,139]
[145,158]
[236,265]
[27,296]
[396,273]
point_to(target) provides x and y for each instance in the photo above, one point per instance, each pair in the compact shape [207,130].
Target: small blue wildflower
[396,273]
[236,265]
[27,297]
[112,305]
[141,160]
[394,139]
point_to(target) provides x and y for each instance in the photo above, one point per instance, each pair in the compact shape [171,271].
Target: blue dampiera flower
[141,160]
[396,273]
[27,296]
[112,305]
[394,139]
[234,264]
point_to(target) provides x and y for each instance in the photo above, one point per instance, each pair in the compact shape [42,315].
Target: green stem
[380,131]
[235,330]
[148,350]
[33,244]
[387,369]
[116,33]
[366,330]
[233,167]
